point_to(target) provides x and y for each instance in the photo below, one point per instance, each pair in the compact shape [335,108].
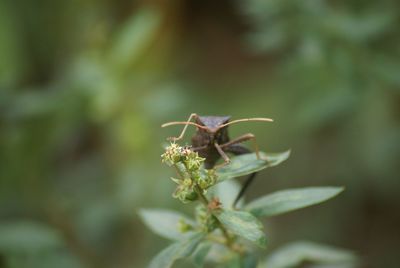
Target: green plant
[231,237]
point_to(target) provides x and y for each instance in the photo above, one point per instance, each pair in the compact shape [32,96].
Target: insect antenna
[258,119]
[183,123]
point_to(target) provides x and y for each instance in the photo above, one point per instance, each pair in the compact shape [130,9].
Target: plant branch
[205,202]
[229,240]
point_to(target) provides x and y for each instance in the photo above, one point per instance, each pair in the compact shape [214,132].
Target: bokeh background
[85,86]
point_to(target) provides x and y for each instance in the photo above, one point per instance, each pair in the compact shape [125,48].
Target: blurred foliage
[85,85]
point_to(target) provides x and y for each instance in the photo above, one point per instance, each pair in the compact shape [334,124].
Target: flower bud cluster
[172,154]
[185,191]
[188,164]
[208,180]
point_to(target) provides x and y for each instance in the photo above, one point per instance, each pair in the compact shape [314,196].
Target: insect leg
[196,149]
[223,155]
[184,128]
[243,138]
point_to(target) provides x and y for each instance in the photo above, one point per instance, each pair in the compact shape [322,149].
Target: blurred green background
[85,86]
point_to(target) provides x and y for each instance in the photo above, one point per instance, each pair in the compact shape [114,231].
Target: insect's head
[212,123]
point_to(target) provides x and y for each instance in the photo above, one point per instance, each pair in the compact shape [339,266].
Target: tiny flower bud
[215,204]
[186,151]
[183,226]
[202,183]
[187,182]
[177,181]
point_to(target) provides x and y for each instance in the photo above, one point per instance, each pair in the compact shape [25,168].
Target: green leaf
[28,237]
[248,163]
[199,256]
[292,199]
[178,250]
[297,253]
[217,251]
[244,224]
[227,191]
[164,222]
[274,159]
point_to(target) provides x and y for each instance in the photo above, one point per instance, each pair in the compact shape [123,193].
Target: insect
[212,141]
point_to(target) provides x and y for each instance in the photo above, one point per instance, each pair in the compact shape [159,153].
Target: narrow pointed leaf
[274,159]
[243,224]
[178,250]
[164,222]
[248,163]
[292,199]
[297,253]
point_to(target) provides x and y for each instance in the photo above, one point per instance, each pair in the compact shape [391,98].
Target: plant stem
[221,240]
[205,202]
[229,242]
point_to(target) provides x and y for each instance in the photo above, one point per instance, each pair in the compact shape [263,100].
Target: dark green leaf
[164,222]
[243,224]
[248,163]
[178,250]
[292,199]
[297,253]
